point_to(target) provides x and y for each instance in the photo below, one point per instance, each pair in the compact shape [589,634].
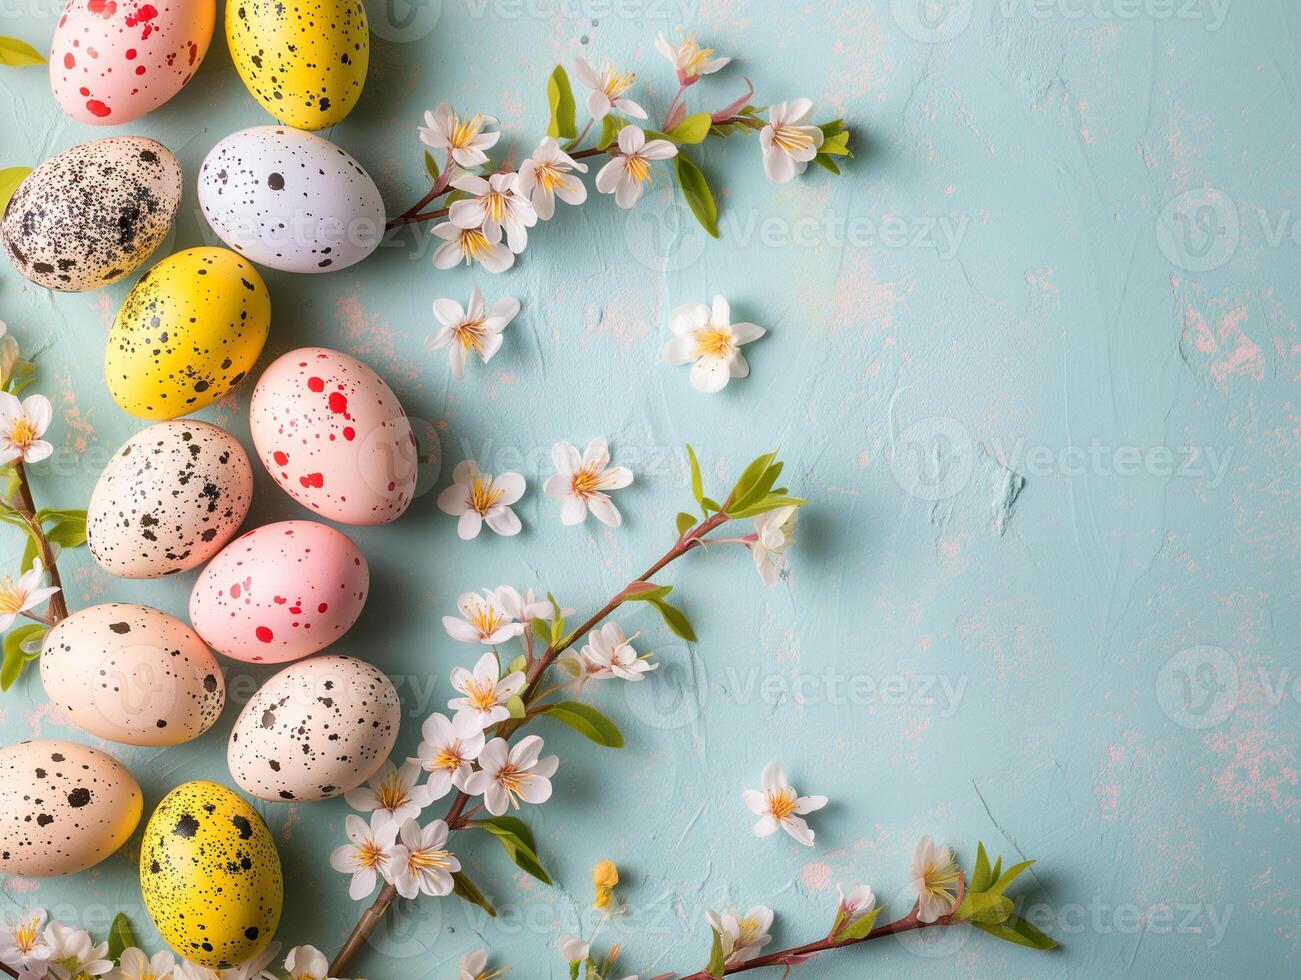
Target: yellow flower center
[481,693]
[549,176]
[424,860]
[474,244]
[512,781]
[369,854]
[391,793]
[483,495]
[792,138]
[715,342]
[464,132]
[638,167]
[470,335]
[585,482]
[494,205]
[941,879]
[748,932]
[449,758]
[23,433]
[695,56]
[782,803]
[616,83]
[12,598]
[26,935]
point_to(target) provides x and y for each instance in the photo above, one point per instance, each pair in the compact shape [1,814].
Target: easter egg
[132,674]
[111,61]
[63,807]
[290,200]
[92,214]
[280,592]
[315,730]
[332,434]
[168,500]
[187,333]
[304,60]
[210,875]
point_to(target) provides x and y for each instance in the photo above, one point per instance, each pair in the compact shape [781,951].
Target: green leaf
[771,502]
[120,936]
[832,128]
[515,705]
[15,657]
[685,522]
[16,53]
[515,837]
[676,620]
[431,166]
[693,129]
[696,189]
[980,875]
[697,480]
[750,486]
[984,907]
[1003,881]
[68,532]
[541,629]
[610,126]
[587,721]
[1017,930]
[561,99]
[709,503]
[716,964]
[827,164]
[859,929]
[465,889]
[645,592]
[10,178]
[518,664]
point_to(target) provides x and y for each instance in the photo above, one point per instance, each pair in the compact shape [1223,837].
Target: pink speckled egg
[280,592]
[111,61]
[333,435]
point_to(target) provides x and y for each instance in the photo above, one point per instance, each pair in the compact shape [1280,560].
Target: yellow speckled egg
[304,60]
[187,334]
[210,875]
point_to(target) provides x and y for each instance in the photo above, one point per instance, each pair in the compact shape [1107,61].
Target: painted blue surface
[1035,365]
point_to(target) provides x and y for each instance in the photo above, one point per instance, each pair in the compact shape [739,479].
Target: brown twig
[58,604]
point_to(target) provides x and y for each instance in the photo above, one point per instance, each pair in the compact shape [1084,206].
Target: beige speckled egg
[315,730]
[169,500]
[132,674]
[280,592]
[64,807]
[334,437]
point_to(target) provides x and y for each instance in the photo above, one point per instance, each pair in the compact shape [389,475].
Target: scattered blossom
[508,775]
[484,694]
[23,943]
[473,330]
[788,142]
[255,969]
[483,620]
[605,876]
[779,806]
[528,606]
[742,936]
[465,139]
[470,245]
[608,89]
[22,423]
[854,906]
[474,966]
[774,532]
[394,792]
[27,593]
[608,653]
[421,864]
[629,170]
[934,876]
[689,59]
[366,856]
[476,499]
[74,955]
[546,175]
[707,336]
[494,204]
[572,949]
[135,964]
[446,756]
[581,481]
[307,963]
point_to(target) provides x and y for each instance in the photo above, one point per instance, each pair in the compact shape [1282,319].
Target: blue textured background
[1034,361]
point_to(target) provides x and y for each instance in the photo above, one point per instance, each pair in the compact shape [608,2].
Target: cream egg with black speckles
[187,334]
[132,674]
[210,875]
[92,214]
[305,61]
[169,499]
[64,807]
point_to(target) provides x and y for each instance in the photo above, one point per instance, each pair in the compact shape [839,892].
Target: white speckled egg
[132,674]
[290,200]
[316,729]
[334,436]
[169,499]
[64,807]
[93,214]
[280,592]
[111,61]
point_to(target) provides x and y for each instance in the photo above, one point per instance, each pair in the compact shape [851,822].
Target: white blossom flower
[853,906]
[788,143]
[610,654]
[394,792]
[546,175]
[742,936]
[470,245]
[607,88]
[494,202]
[23,945]
[477,498]
[474,966]
[629,170]
[27,593]
[707,336]
[366,856]
[572,948]
[779,806]
[934,876]
[446,756]
[474,330]
[689,58]
[508,775]
[483,620]
[581,482]
[74,955]
[527,606]
[9,354]
[22,423]
[464,139]
[307,963]
[484,696]
[774,532]
[135,964]
[255,969]
[421,863]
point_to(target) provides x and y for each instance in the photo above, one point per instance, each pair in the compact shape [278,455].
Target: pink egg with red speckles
[280,592]
[111,61]
[332,434]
